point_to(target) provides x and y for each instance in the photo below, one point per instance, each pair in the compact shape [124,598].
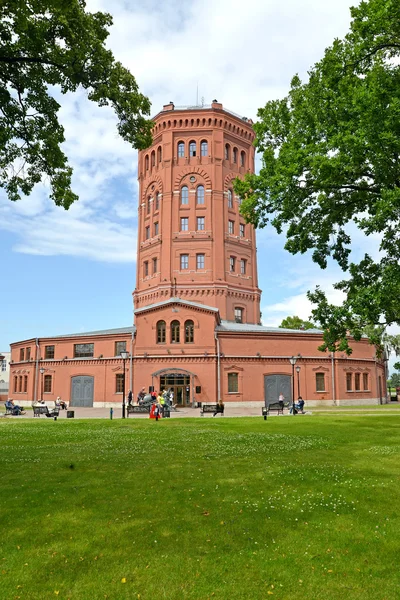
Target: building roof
[176,301]
[100,332]
[248,327]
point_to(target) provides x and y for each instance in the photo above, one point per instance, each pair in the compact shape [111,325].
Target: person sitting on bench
[15,409]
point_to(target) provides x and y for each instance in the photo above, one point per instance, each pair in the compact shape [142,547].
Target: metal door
[274,385]
[82,388]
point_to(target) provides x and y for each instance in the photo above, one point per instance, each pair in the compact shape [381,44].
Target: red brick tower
[192,242]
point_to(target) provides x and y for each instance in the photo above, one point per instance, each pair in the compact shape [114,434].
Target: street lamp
[42,374]
[124,356]
[298,381]
[292,361]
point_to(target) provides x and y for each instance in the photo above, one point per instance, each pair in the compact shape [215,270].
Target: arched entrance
[180,382]
[274,385]
[82,388]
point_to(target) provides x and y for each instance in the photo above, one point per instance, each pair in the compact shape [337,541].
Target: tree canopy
[331,172]
[47,45]
[296,323]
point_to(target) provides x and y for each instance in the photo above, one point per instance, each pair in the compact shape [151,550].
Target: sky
[74,271]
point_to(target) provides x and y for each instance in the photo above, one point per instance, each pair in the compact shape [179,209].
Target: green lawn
[228,509]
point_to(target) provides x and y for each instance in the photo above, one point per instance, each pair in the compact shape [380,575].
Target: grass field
[229,509]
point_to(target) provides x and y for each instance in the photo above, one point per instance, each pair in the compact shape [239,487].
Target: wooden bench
[278,406]
[212,408]
[44,410]
[134,409]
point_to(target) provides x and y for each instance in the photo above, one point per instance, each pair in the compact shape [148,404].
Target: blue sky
[74,271]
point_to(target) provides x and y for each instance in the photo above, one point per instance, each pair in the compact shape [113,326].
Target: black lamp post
[124,356]
[42,374]
[292,361]
[298,381]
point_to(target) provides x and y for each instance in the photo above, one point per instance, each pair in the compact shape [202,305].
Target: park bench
[278,406]
[44,410]
[212,408]
[133,409]
[10,410]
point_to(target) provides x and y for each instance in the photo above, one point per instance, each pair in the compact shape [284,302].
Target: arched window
[153,159]
[200,194]
[161,332]
[181,149]
[230,199]
[159,154]
[189,332]
[185,195]
[175,332]
[192,148]
[235,155]
[146,162]
[148,205]
[242,159]
[157,201]
[204,148]
[227,152]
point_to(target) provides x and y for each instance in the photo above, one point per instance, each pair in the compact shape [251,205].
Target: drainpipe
[36,371]
[131,366]
[377,382]
[333,378]
[218,369]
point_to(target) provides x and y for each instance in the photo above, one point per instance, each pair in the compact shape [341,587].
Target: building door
[274,385]
[82,388]
[179,384]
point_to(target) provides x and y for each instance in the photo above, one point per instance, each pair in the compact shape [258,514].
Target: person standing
[130,397]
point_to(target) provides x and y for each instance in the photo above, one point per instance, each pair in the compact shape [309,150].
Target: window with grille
[83,350]
[200,260]
[238,315]
[119,383]
[204,148]
[47,383]
[161,332]
[233,383]
[185,195]
[181,149]
[120,347]
[232,264]
[49,351]
[4,365]
[230,199]
[241,229]
[192,149]
[189,332]
[365,381]
[200,223]
[349,382]
[320,382]
[243,266]
[184,224]
[175,332]
[231,227]
[184,261]
[200,194]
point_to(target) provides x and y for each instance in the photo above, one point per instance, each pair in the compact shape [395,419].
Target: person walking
[130,398]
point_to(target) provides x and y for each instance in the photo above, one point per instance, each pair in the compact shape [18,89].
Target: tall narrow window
[159,154]
[241,229]
[25,383]
[184,224]
[235,155]
[320,382]
[181,149]
[242,159]
[204,148]
[365,381]
[231,227]
[192,148]
[147,232]
[232,264]
[175,332]
[146,162]
[22,354]
[15,384]
[189,332]
[28,354]
[47,383]
[153,159]
[154,266]
[233,383]
[349,382]
[238,314]
[119,347]
[200,261]
[161,332]
[156,228]
[200,224]
[157,201]
[148,205]
[185,195]
[119,383]
[146,268]
[357,383]
[184,261]
[230,199]
[20,383]
[227,152]
[200,194]
[243,264]
[49,351]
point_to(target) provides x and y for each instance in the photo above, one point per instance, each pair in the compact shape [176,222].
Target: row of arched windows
[234,155]
[248,135]
[199,194]
[175,332]
[152,159]
[192,148]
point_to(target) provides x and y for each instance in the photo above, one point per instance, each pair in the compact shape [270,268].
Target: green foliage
[394,380]
[47,44]
[331,166]
[296,323]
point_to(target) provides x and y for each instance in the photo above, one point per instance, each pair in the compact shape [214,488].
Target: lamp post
[298,381]
[292,361]
[42,374]
[124,356]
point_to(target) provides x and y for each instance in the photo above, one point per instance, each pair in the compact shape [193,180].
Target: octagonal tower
[192,242]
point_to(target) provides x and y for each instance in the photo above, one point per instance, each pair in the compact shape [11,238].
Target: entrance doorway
[82,391]
[274,385]
[179,385]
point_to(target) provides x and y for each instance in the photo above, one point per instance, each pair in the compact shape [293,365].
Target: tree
[296,323]
[47,45]
[394,380]
[331,167]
